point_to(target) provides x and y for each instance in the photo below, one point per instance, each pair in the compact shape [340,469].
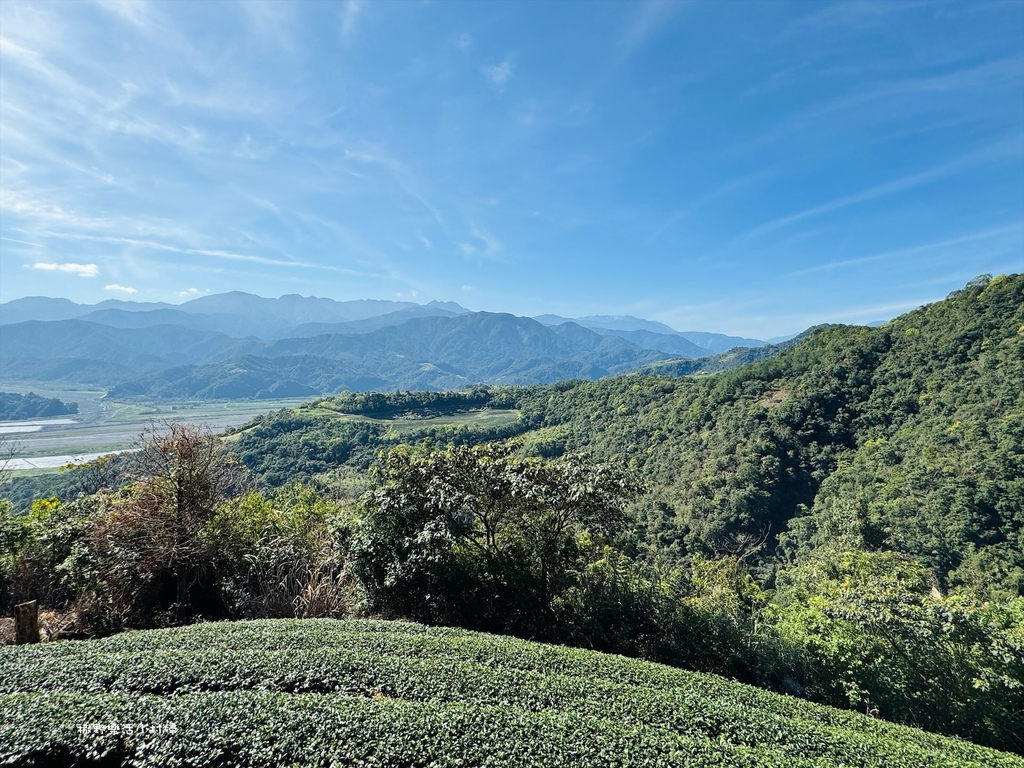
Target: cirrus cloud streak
[82,270]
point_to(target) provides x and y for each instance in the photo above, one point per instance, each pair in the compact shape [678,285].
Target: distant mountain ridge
[433,352]
[238,345]
[651,334]
[264,315]
[423,353]
[253,315]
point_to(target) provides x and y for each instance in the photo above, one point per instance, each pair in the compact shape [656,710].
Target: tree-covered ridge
[905,437]
[815,523]
[723,361]
[14,406]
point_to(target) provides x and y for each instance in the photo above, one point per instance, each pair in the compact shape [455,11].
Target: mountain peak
[623,323]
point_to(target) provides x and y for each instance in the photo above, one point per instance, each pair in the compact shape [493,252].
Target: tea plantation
[373,693]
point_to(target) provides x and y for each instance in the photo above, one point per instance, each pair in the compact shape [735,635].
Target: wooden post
[26,623]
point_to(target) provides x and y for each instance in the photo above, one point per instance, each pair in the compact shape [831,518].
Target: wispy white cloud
[492,246]
[53,220]
[251,149]
[135,12]
[483,243]
[366,157]
[990,75]
[994,152]
[866,313]
[1007,236]
[271,22]
[228,97]
[142,18]
[647,20]
[167,149]
[54,103]
[758,317]
[350,12]
[82,270]
[120,288]
[34,142]
[401,175]
[22,242]
[721,191]
[858,14]
[35,63]
[889,98]
[156,245]
[526,116]
[499,74]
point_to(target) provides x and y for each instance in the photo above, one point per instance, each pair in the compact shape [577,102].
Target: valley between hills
[240,346]
[840,522]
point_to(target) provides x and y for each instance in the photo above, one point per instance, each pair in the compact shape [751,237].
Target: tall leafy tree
[477,534]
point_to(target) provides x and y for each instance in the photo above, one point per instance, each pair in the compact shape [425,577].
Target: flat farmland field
[479,418]
[104,426]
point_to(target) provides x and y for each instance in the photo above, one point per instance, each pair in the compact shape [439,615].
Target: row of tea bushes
[323,692]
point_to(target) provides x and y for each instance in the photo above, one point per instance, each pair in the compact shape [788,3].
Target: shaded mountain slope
[907,437]
[438,352]
[28,348]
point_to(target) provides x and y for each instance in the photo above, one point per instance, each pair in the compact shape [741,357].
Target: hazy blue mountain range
[238,345]
[651,334]
[423,353]
[230,324]
[367,324]
[46,308]
[723,361]
[252,315]
[437,352]
[243,314]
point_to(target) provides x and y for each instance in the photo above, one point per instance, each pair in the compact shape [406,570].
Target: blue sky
[749,168]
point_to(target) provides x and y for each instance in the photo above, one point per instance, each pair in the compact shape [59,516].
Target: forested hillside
[15,406]
[908,437]
[842,521]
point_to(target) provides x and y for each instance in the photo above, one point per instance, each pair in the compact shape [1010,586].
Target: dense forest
[843,521]
[14,406]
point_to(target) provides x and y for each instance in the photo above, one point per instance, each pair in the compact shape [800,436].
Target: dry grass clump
[53,625]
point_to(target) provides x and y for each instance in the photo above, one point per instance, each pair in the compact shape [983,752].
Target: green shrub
[326,692]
